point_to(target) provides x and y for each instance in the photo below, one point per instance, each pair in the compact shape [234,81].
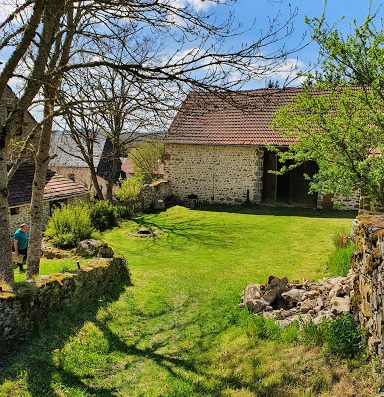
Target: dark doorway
[291,188]
[269,180]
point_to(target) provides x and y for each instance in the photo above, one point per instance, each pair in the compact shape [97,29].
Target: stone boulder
[104,251]
[251,292]
[340,305]
[274,289]
[88,248]
[257,305]
[293,296]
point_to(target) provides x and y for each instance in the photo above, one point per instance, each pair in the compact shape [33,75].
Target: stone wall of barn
[216,174]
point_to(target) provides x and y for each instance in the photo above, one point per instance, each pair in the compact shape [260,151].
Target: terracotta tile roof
[244,119]
[57,187]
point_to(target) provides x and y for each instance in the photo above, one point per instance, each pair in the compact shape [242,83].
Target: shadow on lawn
[279,211]
[182,364]
[196,230]
[34,358]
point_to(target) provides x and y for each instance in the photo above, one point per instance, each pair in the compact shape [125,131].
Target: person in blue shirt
[20,244]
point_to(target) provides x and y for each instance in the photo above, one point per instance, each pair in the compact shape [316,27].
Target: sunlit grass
[178,331]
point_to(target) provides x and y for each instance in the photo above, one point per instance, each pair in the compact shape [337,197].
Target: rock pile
[287,301]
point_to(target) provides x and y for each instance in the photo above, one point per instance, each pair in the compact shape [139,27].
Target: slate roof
[67,152]
[57,187]
[242,119]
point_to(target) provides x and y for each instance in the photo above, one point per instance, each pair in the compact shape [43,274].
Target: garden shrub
[128,195]
[69,225]
[103,215]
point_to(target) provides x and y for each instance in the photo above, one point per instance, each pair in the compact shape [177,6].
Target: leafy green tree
[147,157]
[128,194]
[338,119]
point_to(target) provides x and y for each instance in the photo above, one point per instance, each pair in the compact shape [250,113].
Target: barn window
[71,177]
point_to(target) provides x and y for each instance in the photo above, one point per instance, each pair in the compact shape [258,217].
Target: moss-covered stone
[32,302]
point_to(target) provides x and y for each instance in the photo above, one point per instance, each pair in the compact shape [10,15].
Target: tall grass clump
[340,259]
[103,215]
[341,238]
[339,338]
[69,225]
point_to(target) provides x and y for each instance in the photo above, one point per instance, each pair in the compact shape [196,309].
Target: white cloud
[285,71]
[201,5]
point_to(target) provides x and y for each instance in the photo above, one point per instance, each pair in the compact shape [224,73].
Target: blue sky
[249,10]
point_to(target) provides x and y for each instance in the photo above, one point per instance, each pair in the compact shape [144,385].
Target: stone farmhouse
[57,190]
[218,150]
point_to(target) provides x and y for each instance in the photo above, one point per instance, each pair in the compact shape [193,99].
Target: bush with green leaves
[69,225]
[103,215]
[128,196]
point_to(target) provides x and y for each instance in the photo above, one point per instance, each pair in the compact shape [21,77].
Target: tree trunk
[111,176]
[6,267]
[37,202]
[95,182]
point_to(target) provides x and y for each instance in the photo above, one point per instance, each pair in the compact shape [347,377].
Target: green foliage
[128,195]
[146,158]
[312,334]
[103,215]
[340,127]
[69,225]
[263,328]
[343,338]
[340,338]
[340,260]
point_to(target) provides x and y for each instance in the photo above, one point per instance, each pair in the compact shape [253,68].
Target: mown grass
[178,331]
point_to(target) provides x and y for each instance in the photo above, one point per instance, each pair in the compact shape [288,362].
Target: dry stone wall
[368,266]
[217,174]
[153,195]
[32,303]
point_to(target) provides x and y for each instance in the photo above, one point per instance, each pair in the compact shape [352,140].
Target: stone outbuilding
[219,150]
[58,190]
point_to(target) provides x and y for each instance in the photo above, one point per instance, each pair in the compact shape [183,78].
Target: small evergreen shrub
[103,215]
[69,225]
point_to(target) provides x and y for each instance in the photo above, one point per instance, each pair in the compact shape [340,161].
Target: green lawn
[177,331]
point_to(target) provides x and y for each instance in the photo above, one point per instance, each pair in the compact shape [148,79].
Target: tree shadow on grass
[185,363]
[192,230]
[279,211]
[34,359]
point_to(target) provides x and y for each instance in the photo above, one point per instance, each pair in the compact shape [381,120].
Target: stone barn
[219,150]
